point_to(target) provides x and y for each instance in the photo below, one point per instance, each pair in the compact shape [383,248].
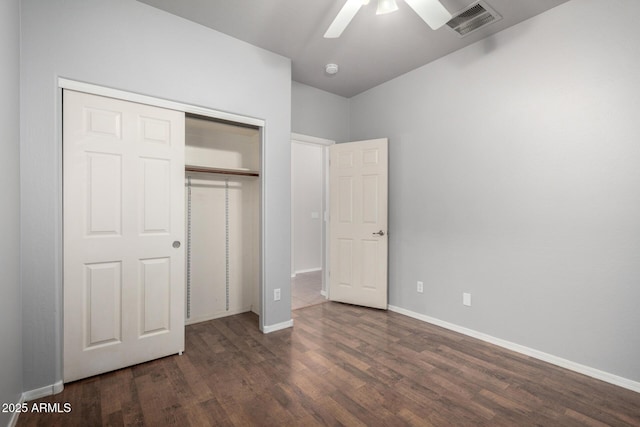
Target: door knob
[379,233]
[176,244]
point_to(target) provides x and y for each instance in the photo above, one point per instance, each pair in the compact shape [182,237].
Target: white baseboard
[218,315]
[309,270]
[277,327]
[323,293]
[36,394]
[555,360]
[43,391]
[13,421]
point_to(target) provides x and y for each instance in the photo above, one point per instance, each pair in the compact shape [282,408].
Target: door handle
[379,233]
[176,244]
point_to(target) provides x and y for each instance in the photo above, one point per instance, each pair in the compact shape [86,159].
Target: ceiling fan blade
[431,11]
[346,14]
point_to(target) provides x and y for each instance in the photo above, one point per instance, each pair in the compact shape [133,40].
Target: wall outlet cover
[420,287]
[466,299]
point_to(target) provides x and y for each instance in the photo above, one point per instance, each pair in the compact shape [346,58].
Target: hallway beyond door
[305,290]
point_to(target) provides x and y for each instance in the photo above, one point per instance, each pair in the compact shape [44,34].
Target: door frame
[89,88]
[298,138]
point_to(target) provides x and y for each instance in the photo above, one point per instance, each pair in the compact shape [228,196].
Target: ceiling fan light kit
[386,6]
[431,11]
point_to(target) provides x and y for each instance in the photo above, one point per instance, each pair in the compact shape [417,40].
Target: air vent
[471,19]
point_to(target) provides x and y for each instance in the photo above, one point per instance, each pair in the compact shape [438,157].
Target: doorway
[309,215]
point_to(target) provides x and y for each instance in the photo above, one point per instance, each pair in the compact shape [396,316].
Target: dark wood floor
[340,365]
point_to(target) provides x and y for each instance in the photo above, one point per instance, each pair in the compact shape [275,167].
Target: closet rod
[220,171]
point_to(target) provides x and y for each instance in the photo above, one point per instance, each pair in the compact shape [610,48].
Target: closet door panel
[155,130]
[102,296]
[104,194]
[155,298]
[155,196]
[123,170]
[100,123]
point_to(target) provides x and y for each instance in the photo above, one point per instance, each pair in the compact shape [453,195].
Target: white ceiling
[372,50]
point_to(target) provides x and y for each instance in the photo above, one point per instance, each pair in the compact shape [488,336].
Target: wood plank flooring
[305,290]
[340,365]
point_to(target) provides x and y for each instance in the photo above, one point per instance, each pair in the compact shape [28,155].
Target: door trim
[156,102]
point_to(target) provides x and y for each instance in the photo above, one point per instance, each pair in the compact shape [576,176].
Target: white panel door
[358,186]
[123,186]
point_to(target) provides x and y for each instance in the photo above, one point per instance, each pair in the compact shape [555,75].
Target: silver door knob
[380,233]
[176,244]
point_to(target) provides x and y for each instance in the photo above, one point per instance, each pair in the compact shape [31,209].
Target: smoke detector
[471,19]
[331,69]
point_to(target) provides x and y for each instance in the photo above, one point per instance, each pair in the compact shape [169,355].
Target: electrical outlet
[466,299]
[276,294]
[420,288]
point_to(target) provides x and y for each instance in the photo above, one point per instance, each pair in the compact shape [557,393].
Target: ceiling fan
[431,11]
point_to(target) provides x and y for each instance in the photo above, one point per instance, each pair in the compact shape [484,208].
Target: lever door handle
[379,233]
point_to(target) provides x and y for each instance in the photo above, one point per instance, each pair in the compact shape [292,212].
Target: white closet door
[123,228]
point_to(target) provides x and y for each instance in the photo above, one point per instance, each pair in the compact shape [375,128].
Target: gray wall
[514,175]
[315,112]
[10,305]
[134,47]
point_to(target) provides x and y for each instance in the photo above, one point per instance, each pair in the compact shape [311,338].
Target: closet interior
[222,178]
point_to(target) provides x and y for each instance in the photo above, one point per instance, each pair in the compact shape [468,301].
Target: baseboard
[218,315]
[536,354]
[309,270]
[323,293]
[13,421]
[277,327]
[43,391]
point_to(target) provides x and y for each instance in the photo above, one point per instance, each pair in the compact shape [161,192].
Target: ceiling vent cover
[471,19]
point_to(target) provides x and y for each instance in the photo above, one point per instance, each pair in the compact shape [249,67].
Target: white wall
[214,199]
[315,112]
[134,47]
[514,175]
[10,305]
[306,183]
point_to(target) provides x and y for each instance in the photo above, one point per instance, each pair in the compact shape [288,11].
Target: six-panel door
[123,174]
[358,186]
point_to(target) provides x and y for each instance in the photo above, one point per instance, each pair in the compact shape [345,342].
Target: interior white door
[358,188]
[123,181]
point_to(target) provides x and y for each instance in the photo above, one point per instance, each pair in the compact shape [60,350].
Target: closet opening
[222,205]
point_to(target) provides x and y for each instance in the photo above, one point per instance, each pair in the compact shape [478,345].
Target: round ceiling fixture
[331,69]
